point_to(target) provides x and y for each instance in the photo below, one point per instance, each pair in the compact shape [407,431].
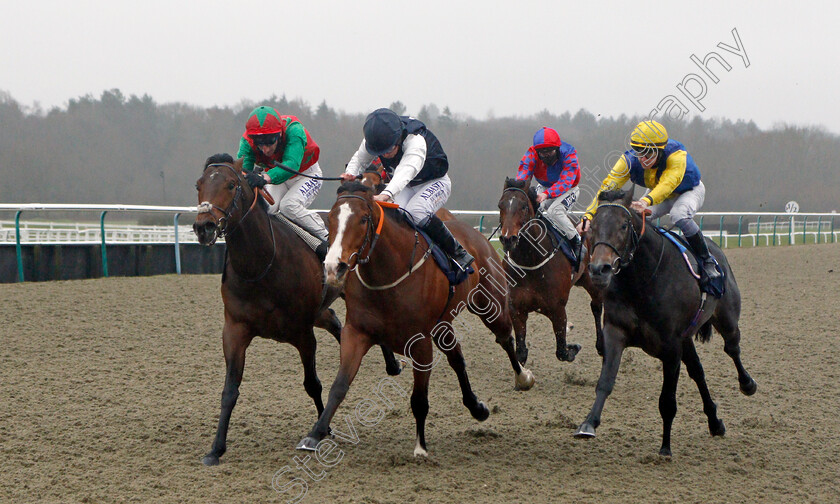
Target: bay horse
[653,302]
[396,297]
[540,275]
[272,285]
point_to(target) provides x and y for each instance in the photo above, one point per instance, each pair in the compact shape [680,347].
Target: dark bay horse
[653,302]
[541,276]
[397,298]
[272,285]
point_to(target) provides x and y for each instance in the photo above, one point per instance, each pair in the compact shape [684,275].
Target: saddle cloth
[716,287]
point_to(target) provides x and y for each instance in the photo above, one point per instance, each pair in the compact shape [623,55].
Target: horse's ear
[509,182]
[628,196]
[238,163]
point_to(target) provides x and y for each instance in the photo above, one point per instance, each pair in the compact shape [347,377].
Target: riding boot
[441,235]
[701,250]
[577,248]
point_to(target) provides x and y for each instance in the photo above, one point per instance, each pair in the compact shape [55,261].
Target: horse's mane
[223,157]
[353,186]
[613,195]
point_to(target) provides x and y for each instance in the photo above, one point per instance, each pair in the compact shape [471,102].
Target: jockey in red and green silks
[271,139]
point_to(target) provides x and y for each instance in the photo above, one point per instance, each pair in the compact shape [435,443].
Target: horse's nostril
[342,268]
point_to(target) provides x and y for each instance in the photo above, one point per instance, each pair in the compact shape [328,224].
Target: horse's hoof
[585,431]
[717,430]
[395,371]
[665,452]
[210,460]
[480,413]
[525,380]
[308,443]
[567,354]
[750,388]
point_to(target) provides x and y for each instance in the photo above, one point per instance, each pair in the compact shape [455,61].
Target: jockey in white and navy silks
[554,165]
[414,159]
[662,165]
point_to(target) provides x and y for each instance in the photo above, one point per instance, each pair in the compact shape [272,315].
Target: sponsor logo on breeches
[570,199]
[430,191]
[310,189]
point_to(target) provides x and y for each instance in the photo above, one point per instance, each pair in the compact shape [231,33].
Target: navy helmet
[383,130]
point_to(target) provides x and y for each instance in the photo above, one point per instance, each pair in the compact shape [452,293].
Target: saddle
[560,241]
[447,265]
[715,287]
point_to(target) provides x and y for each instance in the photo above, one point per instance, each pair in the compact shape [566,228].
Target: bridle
[221,223]
[631,240]
[535,218]
[371,234]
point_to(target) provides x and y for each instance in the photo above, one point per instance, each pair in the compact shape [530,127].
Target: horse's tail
[705,333]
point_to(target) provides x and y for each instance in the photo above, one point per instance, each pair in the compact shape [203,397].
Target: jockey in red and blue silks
[554,164]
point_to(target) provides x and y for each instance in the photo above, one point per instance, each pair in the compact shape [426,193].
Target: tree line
[132,150]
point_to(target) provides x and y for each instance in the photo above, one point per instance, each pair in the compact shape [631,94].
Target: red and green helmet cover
[263,121]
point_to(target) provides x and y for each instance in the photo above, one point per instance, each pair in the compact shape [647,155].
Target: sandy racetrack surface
[111,391]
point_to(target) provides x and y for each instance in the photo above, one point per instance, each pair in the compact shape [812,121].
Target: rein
[286,168]
[372,236]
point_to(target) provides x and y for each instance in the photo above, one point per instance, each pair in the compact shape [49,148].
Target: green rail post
[740,221]
[721,233]
[104,254]
[757,229]
[701,222]
[177,248]
[775,218]
[804,227]
[819,228]
[18,250]
[481,224]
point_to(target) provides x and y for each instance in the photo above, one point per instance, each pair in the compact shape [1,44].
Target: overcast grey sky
[483,58]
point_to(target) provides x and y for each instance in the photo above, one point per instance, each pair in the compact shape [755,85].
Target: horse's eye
[231,186]
[365,219]
[624,227]
[196,186]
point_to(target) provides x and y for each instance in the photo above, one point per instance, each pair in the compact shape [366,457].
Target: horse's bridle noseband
[632,237]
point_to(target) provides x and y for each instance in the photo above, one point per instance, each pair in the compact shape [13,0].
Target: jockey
[414,160]
[673,181]
[271,139]
[554,165]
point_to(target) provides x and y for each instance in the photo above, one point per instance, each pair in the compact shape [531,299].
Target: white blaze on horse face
[335,251]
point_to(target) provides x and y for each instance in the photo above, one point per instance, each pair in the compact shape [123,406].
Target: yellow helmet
[649,134]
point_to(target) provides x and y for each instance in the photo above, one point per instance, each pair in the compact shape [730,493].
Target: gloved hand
[255,180]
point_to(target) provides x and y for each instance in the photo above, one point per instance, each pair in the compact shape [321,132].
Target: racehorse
[272,285]
[653,302]
[539,272]
[394,296]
